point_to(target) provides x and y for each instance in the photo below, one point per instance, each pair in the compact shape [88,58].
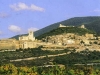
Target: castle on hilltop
[54,42]
[82,26]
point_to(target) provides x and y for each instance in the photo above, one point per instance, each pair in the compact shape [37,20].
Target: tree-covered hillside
[61,30]
[95,25]
[76,21]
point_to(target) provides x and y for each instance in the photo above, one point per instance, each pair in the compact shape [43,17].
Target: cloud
[14,28]
[32,29]
[97,10]
[3,15]
[22,6]
[36,8]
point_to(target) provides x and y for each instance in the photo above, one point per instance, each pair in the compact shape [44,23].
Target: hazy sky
[19,16]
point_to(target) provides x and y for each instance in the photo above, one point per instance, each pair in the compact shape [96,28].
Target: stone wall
[9,44]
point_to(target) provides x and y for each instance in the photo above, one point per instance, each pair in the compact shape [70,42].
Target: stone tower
[31,36]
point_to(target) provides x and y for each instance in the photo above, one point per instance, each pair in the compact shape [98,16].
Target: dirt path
[41,57]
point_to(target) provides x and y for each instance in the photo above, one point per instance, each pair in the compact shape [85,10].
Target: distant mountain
[91,22]
[17,36]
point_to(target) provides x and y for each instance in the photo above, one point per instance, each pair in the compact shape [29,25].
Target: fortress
[55,42]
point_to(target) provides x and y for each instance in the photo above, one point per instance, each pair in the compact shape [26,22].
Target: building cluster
[54,42]
[70,40]
[24,42]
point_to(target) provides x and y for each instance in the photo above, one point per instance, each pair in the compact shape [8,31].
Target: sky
[20,16]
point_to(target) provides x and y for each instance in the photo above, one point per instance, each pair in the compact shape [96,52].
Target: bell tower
[30,33]
[31,36]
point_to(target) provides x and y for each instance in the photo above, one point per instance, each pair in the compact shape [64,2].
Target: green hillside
[95,25]
[76,21]
[75,30]
[91,22]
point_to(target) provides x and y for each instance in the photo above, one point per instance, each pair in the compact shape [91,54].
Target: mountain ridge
[63,30]
[75,21]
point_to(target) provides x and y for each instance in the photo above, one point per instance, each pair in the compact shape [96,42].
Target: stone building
[82,26]
[89,36]
[65,26]
[62,25]
[27,41]
[23,42]
[29,37]
[27,44]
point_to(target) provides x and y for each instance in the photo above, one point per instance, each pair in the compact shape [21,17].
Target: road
[41,57]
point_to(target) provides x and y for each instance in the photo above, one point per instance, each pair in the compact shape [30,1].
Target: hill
[95,25]
[17,36]
[89,22]
[76,21]
[60,30]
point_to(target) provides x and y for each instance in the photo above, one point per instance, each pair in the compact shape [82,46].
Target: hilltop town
[54,42]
